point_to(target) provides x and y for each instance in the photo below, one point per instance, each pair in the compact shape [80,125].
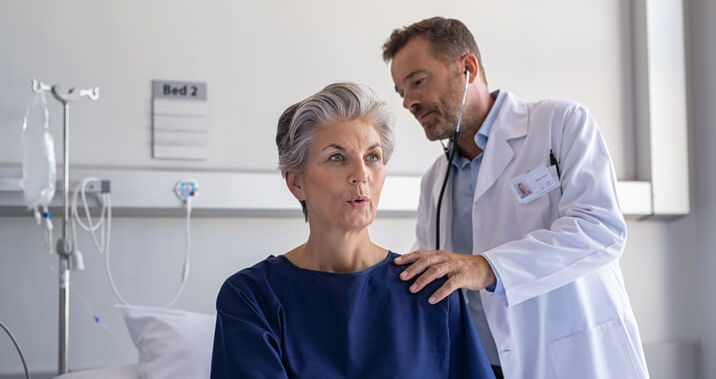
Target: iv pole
[64,244]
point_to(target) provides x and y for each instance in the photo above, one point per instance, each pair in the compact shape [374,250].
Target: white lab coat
[561,309]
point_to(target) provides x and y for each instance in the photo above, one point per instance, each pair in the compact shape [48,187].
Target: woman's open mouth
[358,201]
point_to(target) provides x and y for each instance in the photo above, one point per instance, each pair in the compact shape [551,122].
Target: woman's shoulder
[254,281]
[422,296]
[258,271]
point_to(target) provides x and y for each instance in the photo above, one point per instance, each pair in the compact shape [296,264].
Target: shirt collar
[483,133]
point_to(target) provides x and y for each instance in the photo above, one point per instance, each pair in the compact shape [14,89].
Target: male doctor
[542,269]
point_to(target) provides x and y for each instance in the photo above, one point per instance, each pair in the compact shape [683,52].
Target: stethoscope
[449,154]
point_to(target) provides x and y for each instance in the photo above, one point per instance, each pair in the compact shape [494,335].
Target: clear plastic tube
[103,242]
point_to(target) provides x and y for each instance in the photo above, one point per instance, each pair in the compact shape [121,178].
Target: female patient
[334,306]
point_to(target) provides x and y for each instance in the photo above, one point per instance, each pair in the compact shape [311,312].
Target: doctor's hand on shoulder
[471,272]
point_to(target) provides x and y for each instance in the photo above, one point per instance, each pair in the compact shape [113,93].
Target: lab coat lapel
[511,123]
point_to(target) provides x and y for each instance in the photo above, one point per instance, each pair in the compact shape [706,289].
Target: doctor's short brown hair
[449,40]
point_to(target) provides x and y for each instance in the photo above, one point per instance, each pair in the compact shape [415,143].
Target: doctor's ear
[469,65]
[294,181]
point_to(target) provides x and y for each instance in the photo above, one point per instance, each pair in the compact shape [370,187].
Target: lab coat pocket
[600,352]
[534,215]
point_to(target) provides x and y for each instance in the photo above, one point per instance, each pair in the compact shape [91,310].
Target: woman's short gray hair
[335,103]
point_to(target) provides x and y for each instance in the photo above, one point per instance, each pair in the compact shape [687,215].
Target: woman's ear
[294,181]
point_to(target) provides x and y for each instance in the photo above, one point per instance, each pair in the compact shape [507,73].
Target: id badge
[534,183]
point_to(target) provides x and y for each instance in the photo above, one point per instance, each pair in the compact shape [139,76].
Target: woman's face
[343,176]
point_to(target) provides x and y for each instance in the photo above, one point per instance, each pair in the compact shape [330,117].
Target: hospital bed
[171,344]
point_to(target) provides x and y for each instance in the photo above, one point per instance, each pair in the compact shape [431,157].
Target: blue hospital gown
[276,320]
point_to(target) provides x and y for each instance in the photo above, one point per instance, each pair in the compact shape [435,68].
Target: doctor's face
[343,176]
[430,88]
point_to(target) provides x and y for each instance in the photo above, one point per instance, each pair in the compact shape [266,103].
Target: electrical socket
[92,187]
[186,189]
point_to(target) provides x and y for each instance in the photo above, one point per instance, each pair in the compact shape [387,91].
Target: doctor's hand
[463,271]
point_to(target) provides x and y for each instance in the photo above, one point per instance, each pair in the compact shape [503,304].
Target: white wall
[258,57]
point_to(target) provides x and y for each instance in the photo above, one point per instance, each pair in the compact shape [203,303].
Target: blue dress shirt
[464,182]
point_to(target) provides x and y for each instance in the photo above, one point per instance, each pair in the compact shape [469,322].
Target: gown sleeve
[246,342]
[467,357]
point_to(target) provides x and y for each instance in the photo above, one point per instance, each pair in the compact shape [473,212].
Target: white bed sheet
[110,372]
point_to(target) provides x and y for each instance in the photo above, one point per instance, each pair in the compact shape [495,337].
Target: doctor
[546,292]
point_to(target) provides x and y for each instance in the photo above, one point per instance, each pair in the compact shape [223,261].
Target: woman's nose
[359,174]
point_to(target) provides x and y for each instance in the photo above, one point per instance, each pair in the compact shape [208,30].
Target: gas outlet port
[186,189]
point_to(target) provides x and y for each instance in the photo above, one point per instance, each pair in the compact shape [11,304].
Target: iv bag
[38,161]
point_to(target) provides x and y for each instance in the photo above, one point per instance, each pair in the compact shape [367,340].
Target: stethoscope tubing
[450,154]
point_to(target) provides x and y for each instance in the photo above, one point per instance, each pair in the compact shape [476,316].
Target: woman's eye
[335,158]
[374,158]
[418,82]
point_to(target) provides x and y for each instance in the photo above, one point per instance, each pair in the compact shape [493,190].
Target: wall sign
[180,126]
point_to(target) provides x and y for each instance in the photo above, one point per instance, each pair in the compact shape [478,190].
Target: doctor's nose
[410,102]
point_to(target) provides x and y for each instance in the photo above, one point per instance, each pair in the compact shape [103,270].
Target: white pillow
[171,343]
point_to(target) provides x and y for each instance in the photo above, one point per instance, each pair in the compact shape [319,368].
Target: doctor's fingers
[433,272]
[420,260]
[450,286]
[412,257]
